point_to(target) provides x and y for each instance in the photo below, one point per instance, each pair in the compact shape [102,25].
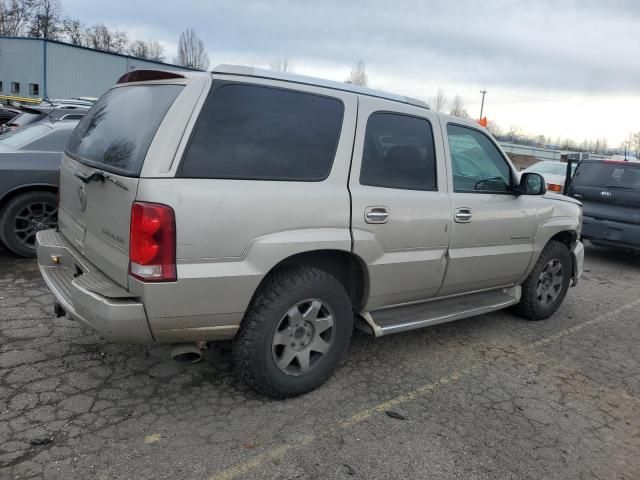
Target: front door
[493,229]
[400,206]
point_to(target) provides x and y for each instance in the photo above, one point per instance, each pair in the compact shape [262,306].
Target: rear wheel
[295,332]
[23,217]
[546,286]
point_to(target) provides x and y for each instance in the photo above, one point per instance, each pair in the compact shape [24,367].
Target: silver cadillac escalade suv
[282,211]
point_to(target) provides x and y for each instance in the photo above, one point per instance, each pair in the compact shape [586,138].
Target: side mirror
[531,184]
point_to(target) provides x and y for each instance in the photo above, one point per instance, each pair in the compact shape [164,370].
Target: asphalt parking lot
[489,397]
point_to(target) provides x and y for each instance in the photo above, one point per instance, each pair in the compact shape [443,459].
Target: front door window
[477,164]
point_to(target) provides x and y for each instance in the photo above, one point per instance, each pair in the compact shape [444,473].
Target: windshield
[616,175]
[17,138]
[116,133]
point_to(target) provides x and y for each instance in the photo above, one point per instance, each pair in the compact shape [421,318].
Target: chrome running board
[433,312]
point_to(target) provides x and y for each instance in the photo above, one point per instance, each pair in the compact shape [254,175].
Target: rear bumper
[610,232]
[89,296]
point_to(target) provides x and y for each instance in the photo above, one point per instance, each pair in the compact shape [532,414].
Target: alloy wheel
[31,219]
[550,282]
[303,337]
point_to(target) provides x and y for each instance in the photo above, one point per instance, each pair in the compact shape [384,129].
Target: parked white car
[554,174]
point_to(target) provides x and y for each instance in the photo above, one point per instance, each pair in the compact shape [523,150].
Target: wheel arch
[349,269]
[563,229]
[32,187]
[567,237]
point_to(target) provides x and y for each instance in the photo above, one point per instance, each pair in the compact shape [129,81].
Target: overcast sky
[559,68]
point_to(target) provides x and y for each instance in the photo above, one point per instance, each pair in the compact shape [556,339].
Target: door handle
[376,215]
[463,215]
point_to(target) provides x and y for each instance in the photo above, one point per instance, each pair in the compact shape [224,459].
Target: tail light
[554,187]
[152,246]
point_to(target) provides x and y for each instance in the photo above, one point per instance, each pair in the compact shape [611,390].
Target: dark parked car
[7,113]
[610,193]
[45,111]
[29,162]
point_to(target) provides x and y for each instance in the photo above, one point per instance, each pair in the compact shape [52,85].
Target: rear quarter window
[116,133]
[264,133]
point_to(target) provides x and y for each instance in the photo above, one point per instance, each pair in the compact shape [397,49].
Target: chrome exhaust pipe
[186,353]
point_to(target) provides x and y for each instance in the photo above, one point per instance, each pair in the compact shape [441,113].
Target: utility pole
[483,92]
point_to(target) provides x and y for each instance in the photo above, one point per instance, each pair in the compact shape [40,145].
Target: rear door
[100,171]
[400,206]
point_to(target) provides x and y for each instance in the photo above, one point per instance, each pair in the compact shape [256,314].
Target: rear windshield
[17,138]
[116,133]
[608,175]
[25,119]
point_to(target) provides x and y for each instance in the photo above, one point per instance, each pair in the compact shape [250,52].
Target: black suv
[610,193]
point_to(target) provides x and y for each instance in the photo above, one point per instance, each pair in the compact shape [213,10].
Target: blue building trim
[44,71]
[131,57]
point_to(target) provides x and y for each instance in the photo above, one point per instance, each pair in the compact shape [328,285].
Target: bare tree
[281,64]
[493,128]
[439,102]
[46,21]
[457,108]
[191,51]
[634,144]
[149,49]
[73,31]
[515,131]
[358,75]
[15,16]
[101,38]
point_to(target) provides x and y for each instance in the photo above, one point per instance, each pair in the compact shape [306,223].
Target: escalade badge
[606,194]
[82,196]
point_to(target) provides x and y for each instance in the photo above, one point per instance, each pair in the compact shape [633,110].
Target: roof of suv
[245,71]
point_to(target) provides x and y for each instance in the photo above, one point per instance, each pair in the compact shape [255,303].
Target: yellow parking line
[279,451]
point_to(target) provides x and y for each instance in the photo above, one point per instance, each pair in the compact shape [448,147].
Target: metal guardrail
[544,153]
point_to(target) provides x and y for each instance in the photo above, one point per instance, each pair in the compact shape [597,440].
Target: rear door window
[264,133]
[398,153]
[116,133]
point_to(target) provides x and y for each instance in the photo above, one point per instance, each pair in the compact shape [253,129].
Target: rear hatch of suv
[610,193]
[101,168]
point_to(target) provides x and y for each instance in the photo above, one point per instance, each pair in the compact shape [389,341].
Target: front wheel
[295,332]
[546,286]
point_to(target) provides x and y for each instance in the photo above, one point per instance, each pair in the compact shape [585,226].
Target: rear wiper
[99,176]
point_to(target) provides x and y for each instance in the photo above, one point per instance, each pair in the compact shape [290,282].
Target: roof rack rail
[246,71]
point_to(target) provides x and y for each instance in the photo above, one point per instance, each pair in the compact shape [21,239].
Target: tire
[23,217]
[542,294]
[271,322]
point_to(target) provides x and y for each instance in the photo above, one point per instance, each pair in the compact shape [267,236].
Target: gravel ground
[483,398]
